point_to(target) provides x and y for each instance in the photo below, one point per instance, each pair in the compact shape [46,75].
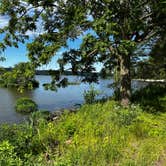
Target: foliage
[21,76]
[112,32]
[151,98]
[125,116]
[36,116]
[90,95]
[7,155]
[25,105]
[158,59]
[155,66]
[2,59]
[99,134]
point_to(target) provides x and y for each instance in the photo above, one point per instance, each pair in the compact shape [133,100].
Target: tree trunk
[125,84]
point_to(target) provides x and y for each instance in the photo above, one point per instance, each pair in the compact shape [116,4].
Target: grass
[102,134]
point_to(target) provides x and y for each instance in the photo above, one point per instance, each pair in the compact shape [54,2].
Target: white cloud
[33,33]
[3,21]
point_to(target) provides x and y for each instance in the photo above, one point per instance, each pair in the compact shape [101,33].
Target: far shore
[150,80]
[69,73]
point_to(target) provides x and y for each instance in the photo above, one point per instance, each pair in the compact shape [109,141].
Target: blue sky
[16,55]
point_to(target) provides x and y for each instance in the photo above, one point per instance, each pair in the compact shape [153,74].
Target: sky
[14,55]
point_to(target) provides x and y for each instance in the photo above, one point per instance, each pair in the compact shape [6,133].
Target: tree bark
[125,84]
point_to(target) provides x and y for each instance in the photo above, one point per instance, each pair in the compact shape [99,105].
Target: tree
[158,58]
[116,29]
[21,76]
[155,65]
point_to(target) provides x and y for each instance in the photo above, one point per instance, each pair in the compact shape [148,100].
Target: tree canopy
[21,76]
[112,32]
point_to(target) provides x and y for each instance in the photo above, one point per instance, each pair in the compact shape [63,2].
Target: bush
[90,95]
[25,105]
[151,98]
[35,117]
[7,155]
[125,116]
[22,76]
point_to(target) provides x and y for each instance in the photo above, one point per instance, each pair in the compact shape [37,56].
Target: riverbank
[151,80]
[99,134]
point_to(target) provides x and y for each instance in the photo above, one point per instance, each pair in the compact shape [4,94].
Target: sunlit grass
[98,135]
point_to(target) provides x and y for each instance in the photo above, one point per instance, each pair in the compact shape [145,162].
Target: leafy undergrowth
[96,135]
[151,98]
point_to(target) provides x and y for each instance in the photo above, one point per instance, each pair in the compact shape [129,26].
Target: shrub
[90,95]
[22,76]
[7,155]
[25,105]
[35,117]
[125,116]
[151,98]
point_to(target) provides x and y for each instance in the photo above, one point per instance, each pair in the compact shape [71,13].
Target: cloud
[3,21]
[33,33]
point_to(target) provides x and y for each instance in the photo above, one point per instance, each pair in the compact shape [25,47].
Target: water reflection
[8,98]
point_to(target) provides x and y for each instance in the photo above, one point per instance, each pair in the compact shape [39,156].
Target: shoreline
[150,80]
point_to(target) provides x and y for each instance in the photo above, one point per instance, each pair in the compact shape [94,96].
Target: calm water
[49,100]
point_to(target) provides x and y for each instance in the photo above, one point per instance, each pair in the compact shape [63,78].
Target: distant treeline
[47,72]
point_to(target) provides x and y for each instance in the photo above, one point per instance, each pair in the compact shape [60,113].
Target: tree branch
[92,52]
[145,16]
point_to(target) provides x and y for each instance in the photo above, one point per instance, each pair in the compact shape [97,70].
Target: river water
[50,100]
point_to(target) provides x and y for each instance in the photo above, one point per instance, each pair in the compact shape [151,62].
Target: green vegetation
[152,98]
[116,33]
[90,95]
[99,134]
[25,105]
[21,76]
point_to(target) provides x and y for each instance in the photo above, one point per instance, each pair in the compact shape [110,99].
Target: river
[50,100]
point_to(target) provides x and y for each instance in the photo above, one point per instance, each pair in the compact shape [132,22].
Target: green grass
[97,135]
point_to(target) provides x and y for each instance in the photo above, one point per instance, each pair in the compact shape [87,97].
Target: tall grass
[96,135]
